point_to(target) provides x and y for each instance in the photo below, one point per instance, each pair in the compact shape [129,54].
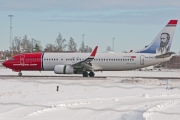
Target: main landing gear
[20,73]
[91,74]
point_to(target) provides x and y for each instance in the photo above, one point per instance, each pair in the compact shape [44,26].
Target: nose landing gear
[20,73]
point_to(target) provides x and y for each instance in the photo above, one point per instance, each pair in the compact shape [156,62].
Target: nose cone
[4,64]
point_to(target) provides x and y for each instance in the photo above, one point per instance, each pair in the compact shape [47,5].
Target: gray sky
[132,24]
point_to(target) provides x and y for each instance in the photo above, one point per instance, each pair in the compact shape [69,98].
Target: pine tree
[37,48]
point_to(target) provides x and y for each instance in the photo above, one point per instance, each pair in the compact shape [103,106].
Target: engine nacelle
[63,69]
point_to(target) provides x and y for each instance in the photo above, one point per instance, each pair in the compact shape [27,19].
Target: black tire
[85,74]
[20,74]
[91,74]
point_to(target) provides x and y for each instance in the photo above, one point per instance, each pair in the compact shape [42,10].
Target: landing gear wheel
[85,74]
[91,74]
[20,74]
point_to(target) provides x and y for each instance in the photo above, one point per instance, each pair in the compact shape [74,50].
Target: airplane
[130,51]
[156,52]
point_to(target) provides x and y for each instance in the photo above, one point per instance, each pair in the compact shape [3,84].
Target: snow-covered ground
[117,97]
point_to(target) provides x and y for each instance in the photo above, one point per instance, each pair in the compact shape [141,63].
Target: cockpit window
[11,59]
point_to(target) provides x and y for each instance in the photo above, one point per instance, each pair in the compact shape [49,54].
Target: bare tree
[36,45]
[82,47]
[72,46]
[124,51]
[50,48]
[60,43]
[108,48]
[26,45]
[17,44]
[88,49]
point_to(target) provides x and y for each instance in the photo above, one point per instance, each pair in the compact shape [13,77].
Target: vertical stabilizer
[162,42]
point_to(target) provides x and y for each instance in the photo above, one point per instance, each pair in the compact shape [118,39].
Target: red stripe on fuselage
[27,61]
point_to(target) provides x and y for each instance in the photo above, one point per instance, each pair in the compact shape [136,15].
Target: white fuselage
[103,61]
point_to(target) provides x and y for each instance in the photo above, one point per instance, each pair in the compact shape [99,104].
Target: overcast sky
[133,24]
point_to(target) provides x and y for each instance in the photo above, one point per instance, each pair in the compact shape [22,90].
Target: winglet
[130,51]
[94,52]
[173,22]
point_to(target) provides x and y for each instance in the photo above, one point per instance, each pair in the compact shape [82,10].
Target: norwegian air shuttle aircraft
[156,52]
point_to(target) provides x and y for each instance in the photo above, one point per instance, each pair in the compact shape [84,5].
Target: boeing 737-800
[86,64]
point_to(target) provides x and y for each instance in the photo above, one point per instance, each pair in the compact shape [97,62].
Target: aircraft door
[73,60]
[77,59]
[142,59]
[22,59]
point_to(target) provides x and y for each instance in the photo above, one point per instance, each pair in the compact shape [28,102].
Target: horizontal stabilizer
[177,54]
[165,55]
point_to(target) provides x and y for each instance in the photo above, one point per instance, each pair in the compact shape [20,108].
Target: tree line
[26,45]
[173,63]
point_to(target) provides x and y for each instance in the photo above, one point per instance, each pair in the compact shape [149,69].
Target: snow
[120,96]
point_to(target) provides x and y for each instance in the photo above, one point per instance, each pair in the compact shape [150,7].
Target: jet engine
[63,69]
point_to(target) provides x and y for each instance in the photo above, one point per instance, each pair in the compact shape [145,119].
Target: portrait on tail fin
[161,44]
[164,43]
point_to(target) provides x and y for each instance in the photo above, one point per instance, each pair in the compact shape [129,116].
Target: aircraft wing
[87,62]
[165,55]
